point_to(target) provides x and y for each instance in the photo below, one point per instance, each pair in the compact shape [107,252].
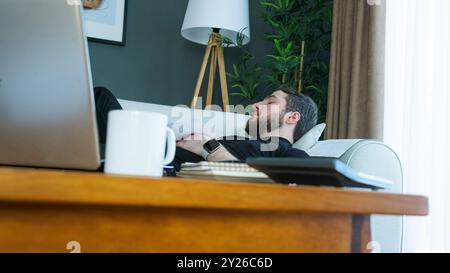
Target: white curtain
[417,115]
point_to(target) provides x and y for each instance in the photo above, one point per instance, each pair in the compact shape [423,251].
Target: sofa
[366,156]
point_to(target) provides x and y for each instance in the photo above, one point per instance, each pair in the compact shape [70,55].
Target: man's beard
[270,124]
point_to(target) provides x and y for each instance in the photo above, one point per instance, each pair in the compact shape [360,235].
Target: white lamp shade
[230,16]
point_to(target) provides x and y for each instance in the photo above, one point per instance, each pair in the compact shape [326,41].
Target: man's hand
[193,143]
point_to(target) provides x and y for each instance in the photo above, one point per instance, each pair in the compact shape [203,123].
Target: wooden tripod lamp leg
[223,79]
[212,74]
[215,51]
[201,76]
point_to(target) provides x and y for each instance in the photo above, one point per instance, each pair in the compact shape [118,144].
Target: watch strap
[205,154]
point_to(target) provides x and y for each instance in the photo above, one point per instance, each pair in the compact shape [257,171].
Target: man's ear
[293,117]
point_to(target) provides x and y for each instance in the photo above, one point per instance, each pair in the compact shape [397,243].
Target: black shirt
[243,149]
[275,147]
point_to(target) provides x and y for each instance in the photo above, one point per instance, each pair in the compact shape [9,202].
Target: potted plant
[301,38]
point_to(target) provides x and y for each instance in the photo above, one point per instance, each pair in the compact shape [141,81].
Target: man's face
[268,114]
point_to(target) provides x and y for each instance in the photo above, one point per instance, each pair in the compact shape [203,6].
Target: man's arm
[222,155]
[194,144]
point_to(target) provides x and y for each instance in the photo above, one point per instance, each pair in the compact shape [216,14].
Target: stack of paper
[223,171]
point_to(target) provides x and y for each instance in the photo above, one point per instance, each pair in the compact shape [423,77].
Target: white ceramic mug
[136,144]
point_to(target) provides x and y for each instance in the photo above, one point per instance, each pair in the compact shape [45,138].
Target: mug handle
[171,147]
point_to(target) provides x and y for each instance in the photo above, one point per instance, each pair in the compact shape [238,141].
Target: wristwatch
[210,147]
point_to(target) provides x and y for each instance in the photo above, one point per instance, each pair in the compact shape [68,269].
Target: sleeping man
[281,118]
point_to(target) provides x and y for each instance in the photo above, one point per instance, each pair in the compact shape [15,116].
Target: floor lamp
[206,21]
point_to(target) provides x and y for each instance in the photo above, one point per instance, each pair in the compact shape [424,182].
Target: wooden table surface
[43,210]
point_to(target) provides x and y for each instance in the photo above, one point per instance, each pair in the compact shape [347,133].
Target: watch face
[212,145]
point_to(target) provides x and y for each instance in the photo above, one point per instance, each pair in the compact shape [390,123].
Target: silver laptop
[47,110]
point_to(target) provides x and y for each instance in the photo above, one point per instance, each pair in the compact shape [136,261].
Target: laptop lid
[47,110]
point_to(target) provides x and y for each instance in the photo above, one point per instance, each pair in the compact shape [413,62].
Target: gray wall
[157,65]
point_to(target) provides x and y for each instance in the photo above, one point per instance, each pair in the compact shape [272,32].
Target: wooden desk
[43,210]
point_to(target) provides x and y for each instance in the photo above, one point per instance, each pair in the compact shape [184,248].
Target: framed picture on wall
[105,20]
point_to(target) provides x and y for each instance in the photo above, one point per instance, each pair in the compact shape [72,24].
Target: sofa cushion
[311,138]
[184,120]
[214,124]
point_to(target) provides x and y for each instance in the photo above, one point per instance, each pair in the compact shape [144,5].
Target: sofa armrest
[374,158]
[332,148]
[365,156]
